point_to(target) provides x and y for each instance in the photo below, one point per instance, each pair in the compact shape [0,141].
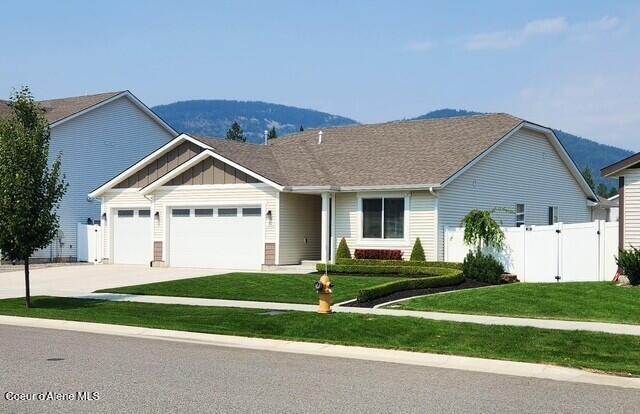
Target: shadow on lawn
[64,303]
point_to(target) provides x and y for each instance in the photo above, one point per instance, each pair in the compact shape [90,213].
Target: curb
[520,369]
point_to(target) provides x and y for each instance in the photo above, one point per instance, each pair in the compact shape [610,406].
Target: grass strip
[583,301]
[578,349]
[263,287]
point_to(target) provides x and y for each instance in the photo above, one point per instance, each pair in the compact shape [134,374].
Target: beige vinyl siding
[525,169]
[422,223]
[300,219]
[632,207]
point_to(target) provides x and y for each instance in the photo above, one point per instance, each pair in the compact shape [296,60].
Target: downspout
[437,219]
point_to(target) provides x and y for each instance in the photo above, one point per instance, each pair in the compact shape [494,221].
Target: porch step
[309,264]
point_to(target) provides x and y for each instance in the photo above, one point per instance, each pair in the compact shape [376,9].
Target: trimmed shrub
[482,267]
[417,253]
[374,262]
[629,261]
[385,289]
[409,271]
[382,254]
[343,251]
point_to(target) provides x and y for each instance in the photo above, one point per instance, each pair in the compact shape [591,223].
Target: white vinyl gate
[89,243]
[572,252]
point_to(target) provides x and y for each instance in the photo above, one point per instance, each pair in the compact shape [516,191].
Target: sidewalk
[520,369]
[613,328]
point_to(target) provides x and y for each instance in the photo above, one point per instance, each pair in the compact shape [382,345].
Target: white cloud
[545,26]
[422,46]
[508,39]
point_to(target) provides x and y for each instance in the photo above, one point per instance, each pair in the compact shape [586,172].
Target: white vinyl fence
[572,252]
[89,243]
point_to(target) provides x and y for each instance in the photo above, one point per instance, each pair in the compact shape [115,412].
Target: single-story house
[215,203]
[98,136]
[627,171]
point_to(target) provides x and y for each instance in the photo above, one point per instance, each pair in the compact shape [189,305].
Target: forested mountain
[214,117]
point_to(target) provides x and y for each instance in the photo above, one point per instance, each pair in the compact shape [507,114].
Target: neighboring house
[216,203]
[627,171]
[606,209]
[98,136]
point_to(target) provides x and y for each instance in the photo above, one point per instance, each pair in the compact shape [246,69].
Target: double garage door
[222,237]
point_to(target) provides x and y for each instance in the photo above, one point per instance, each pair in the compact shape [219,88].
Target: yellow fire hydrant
[323,287]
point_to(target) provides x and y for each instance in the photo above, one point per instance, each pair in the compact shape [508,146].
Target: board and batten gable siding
[95,147]
[422,223]
[523,169]
[300,228]
[166,197]
[631,215]
[212,171]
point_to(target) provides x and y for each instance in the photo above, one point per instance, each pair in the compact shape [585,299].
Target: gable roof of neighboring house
[60,110]
[404,154]
[616,167]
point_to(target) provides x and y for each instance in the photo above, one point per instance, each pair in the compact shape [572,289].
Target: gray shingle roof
[389,154]
[59,109]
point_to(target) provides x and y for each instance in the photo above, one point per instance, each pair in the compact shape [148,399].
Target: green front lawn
[264,287]
[585,301]
[579,349]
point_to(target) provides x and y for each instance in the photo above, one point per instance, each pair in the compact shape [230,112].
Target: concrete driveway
[82,279]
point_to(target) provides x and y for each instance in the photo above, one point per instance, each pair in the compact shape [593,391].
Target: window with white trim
[520,216]
[554,214]
[383,218]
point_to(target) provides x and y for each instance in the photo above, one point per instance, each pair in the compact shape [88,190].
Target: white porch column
[332,226]
[324,228]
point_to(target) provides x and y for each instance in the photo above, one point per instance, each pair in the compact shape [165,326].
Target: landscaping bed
[618,354]
[466,284]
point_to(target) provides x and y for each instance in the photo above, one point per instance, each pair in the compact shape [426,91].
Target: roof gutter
[428,187]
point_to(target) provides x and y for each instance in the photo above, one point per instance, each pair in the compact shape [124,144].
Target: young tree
[31,188]
[272,134]
[301,128]
[481,230]
[343,251]
[235,133]
[588,177]
[417,253]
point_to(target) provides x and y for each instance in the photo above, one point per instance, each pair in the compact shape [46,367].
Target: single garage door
[222,237]
[132,236]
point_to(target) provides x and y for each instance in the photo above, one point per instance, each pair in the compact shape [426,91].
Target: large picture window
[383,218]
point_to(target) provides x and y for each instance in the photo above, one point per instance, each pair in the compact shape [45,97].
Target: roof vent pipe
[319,137]
[266,136]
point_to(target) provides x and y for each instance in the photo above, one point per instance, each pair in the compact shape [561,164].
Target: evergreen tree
[31,187]
[602,190]
[588,177]
[343,251]
[612,192]
[417,254]
[301,128]
[235,133]
[272,134]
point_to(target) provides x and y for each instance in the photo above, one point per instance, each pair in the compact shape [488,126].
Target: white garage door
[132,236]
[223,237]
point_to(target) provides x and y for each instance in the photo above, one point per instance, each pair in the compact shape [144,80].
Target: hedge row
[409,271]
[375,292]
[374,262]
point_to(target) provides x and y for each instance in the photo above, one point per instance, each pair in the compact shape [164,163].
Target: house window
[144,213]
[180,212]
[227,212]
[383,218]
[520,215]
[251,211]
[203,212]
[554,214]
[125,213]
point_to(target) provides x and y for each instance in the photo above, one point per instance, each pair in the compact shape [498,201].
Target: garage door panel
[216,239]
[132,236]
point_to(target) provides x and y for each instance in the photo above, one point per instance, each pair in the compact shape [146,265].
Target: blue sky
[573,65]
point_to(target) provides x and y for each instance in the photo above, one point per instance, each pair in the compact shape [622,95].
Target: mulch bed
[467,284]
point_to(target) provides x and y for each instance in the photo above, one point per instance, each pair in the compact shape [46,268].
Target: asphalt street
[148,376]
